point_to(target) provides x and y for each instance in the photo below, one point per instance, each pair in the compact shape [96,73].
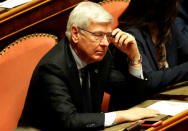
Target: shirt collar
[79,63]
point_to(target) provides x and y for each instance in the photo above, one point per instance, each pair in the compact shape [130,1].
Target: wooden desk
[48,16]
[178,122]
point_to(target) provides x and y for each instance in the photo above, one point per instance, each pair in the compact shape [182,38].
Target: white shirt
[110,116]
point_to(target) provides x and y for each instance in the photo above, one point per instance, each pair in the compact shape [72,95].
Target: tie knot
[85,69]
[84,72]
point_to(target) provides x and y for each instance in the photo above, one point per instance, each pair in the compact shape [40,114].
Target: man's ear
[75,34]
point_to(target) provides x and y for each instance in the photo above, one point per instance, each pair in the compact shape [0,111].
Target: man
[57,99]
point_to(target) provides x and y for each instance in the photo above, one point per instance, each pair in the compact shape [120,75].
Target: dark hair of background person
[142,12]
[184,4]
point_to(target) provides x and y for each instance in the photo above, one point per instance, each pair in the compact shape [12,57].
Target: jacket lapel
[72,76]
[151,49]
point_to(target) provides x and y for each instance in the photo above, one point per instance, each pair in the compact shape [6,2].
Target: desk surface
[6,14]
[178,92]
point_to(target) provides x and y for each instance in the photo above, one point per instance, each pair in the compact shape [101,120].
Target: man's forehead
[99,23]
[100,26]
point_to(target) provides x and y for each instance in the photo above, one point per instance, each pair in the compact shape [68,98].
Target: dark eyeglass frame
[100,35]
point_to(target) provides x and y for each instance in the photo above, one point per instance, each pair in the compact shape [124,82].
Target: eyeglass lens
[100,35]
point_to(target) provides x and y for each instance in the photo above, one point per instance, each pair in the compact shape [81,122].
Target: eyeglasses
[99,36]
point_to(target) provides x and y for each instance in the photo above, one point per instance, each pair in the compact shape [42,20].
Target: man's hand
[126,43]
[134,114]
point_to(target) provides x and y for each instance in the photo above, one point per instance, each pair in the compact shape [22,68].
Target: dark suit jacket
[182,17]
[177,57]
[54,100]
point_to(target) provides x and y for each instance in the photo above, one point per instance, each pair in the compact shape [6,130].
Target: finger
[128,41]
[150,115]
[115,31]
[122,40]
[116,34]
[155,111]
[119,35]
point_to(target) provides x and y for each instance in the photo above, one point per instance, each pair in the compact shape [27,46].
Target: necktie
[86,93]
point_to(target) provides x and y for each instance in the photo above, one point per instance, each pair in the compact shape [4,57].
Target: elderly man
[60,97]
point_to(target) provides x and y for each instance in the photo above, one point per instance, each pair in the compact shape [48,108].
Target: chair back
[17,63]
[115,8]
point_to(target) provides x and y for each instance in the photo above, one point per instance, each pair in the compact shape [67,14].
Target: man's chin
[96,58]
[99,58]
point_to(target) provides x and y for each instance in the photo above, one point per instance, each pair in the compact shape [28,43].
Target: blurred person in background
[163,48]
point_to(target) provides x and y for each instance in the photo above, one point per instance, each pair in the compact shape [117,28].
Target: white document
[12,3]
[169,107]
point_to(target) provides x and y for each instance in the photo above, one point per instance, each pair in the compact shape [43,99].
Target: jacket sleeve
[126,90]
[158,79]
[50,94]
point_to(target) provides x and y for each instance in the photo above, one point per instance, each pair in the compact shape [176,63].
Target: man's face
[92,44]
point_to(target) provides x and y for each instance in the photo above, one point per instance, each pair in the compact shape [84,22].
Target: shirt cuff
[109,118]
[137,72]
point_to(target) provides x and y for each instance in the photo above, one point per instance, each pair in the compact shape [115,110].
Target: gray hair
[82,15]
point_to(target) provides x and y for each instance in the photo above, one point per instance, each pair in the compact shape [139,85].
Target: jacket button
[90,125]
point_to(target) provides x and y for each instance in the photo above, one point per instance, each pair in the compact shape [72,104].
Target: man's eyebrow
[101,32]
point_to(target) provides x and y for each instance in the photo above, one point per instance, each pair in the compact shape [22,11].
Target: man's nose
[104,41]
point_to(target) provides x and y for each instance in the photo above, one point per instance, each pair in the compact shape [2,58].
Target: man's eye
[99,34]
[109,35]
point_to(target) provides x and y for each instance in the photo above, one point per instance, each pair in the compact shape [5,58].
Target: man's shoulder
[56,55]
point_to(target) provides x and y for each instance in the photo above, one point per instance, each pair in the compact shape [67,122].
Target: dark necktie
[86,93]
